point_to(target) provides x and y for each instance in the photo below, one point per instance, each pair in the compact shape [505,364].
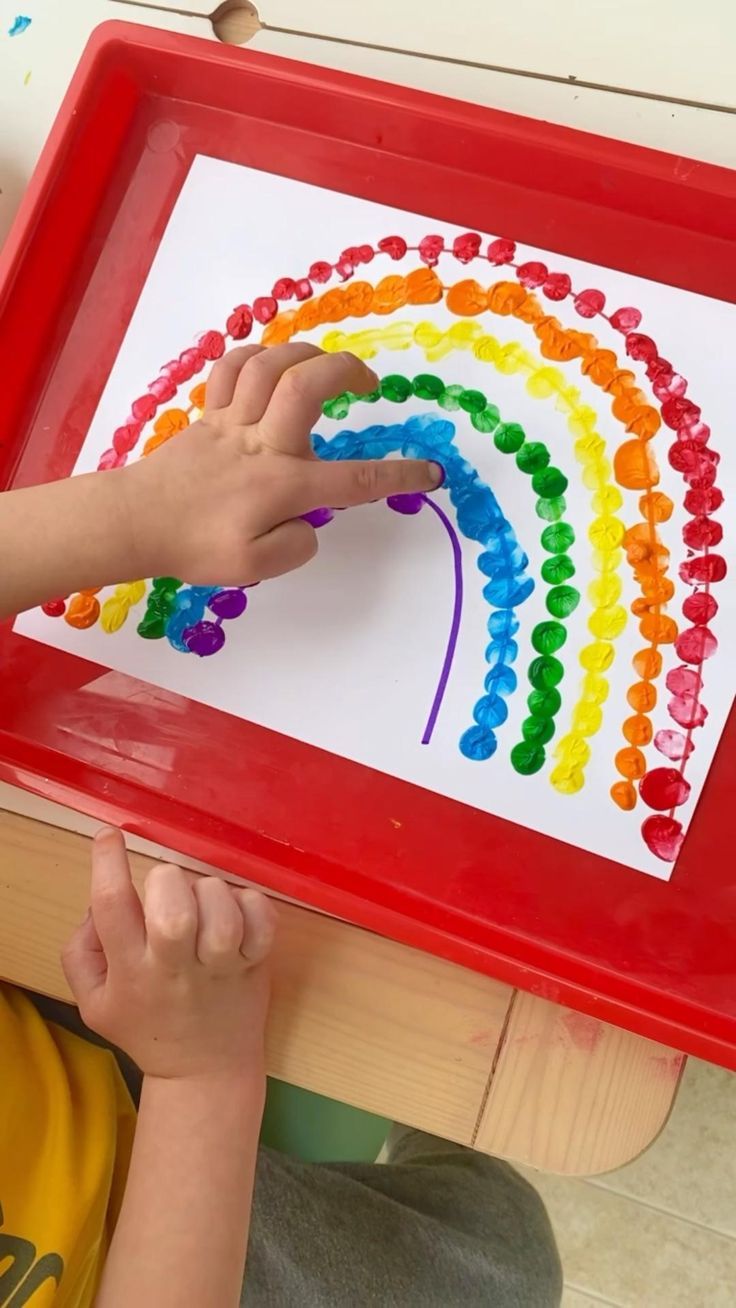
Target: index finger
[301,390]
[116,909]
[346,483]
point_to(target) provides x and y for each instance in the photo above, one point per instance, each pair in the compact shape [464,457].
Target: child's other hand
[179,982]
[222,503]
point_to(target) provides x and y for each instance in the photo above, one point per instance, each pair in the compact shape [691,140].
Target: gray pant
[436,1226]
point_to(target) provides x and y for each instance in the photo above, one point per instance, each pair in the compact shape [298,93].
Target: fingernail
[437,474]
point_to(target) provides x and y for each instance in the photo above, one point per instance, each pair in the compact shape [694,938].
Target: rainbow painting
[550,632]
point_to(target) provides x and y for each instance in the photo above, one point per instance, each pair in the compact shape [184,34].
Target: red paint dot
[394,246]
[532,274]
[700,432]
[110,459]
[589,303]
[430,249]
[265,308]
[683,681]
[284,288]
[190,361]
[700,607]
[320,271]
[163,387]
[687,711]
[695,644]
[466,247]
[55,608]
[688,457]
[557,286]
[664,788]
[212,345]
[703,476]
[625,320]
[303,289]
[124,438]
[680,411]
[240,322]
[501,251]
[663,836]
[705,568]
[640,347]
[366,254]
[674,745]
[707,500]
[702,533]
[144,407]
[671,387]
[344,269]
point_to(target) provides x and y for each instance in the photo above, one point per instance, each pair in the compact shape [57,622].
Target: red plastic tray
[656,957]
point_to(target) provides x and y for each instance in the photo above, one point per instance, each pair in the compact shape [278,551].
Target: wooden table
[356,1017]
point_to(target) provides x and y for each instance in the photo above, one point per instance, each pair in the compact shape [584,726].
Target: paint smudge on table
[20,24]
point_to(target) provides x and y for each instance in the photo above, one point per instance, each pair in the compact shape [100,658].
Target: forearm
[183,1228]
[68,535]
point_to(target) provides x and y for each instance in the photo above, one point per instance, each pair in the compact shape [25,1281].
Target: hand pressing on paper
[222,503]
[227,497]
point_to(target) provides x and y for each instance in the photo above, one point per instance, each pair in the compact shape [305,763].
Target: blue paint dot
[20,23]
[491,711]
[501,680]
[478,744]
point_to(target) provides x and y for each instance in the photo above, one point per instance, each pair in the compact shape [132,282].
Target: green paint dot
[551,510]
[559,568]
[339,407]
[550,483]
[166,584]
[450,398]
[538,731]
[558,538]
[371,398]
[533,457]
[527,758]
[545,671]
[509,438]
[562,601]
[486,421]
[395,388]
[472,401]
[544,703]
[548,637]
[428,387]
[152,627]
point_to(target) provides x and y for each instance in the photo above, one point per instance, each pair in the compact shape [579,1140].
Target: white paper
[346,654]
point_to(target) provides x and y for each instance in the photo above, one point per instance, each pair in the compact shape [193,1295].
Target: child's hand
[221,503]
[180,982]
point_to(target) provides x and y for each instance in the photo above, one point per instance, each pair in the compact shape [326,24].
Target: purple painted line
[457,610]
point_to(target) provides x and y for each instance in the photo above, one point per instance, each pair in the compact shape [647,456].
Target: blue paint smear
[479,518]
[191,602]
[20,24]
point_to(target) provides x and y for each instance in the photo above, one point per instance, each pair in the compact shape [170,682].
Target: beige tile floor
[661,1232]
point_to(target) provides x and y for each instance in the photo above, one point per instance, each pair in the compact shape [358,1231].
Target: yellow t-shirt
[66,1131]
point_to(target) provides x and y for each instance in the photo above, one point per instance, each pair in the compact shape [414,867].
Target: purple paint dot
[318,517]
[409,504]
[204,638]
[228,603]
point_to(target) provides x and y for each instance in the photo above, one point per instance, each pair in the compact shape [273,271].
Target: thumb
[84,963]
[348,482]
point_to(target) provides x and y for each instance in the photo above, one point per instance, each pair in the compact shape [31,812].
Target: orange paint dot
[647,664]
[172,421]
[631,763]
[82,611]
[281,329]
[197,395]
[658,628]
[467,298]
[623,794]
[638,730]
[506,297]
[359,298]
[390,294]
[423,286]
[555,342]
[634,466]
[642,696]
[656,506]
[601,366]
